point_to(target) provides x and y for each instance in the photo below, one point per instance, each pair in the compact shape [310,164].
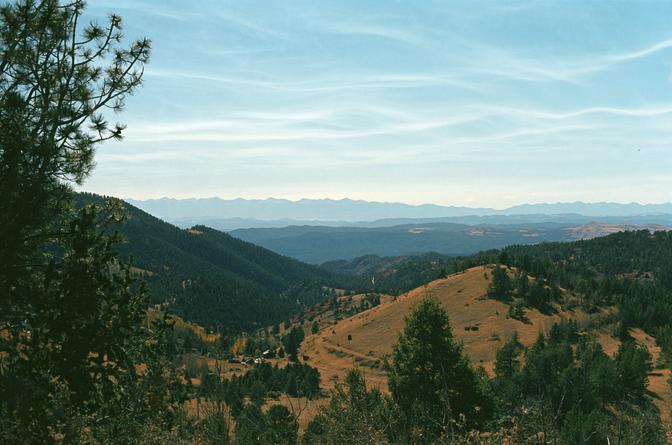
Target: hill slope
[212,278]
[482,325]
[374,332]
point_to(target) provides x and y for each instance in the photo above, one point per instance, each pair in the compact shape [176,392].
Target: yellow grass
[375,331]
[303,409]
[154,313]
[659,379]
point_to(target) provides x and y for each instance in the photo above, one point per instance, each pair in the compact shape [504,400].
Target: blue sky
[465,103]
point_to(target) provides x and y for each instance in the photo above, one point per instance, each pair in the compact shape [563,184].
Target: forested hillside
[211,278]
[396,275]
[578,264]
[629,270]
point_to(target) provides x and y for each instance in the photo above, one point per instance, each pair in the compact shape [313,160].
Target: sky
[491,103]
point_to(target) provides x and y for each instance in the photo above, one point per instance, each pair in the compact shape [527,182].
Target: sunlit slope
[481,324]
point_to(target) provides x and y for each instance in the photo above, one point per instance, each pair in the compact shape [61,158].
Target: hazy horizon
[481,105]
[417,203]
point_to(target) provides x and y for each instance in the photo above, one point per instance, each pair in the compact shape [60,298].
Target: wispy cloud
[232,130]
[500,62]
[250,25]
[145,8]
[327,84]
[638,54]
[425,97]
[377,30]
[546,114]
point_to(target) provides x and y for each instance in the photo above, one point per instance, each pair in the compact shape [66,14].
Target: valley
[342,329]
[335,223]
[365,340]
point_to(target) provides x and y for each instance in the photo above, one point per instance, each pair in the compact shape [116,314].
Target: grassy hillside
[631,270]
[211,278]
[352,331]
[618,288]
[481,324]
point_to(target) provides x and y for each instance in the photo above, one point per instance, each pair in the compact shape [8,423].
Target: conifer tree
[354,415]
[431,379]
[70,313]
[500,287]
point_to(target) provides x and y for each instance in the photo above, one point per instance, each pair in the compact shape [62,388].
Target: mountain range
[255,213]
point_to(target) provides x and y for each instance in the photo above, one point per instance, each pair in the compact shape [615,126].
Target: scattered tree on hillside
[500,286]
[522,284]
[568,389]
[507,361]
[292,341]
[354,415]
[633,364]
[537,296]
[431,379]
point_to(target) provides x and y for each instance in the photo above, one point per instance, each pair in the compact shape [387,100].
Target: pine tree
[507,362]
[72,316]
[431,378]
[292,341]
[354,415]
[500,287]
[633,364]
[282,426]
[56,83]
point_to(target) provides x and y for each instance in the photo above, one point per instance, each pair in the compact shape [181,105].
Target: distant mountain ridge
[242,213]
[591,209]
[231,224]
[304,209]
